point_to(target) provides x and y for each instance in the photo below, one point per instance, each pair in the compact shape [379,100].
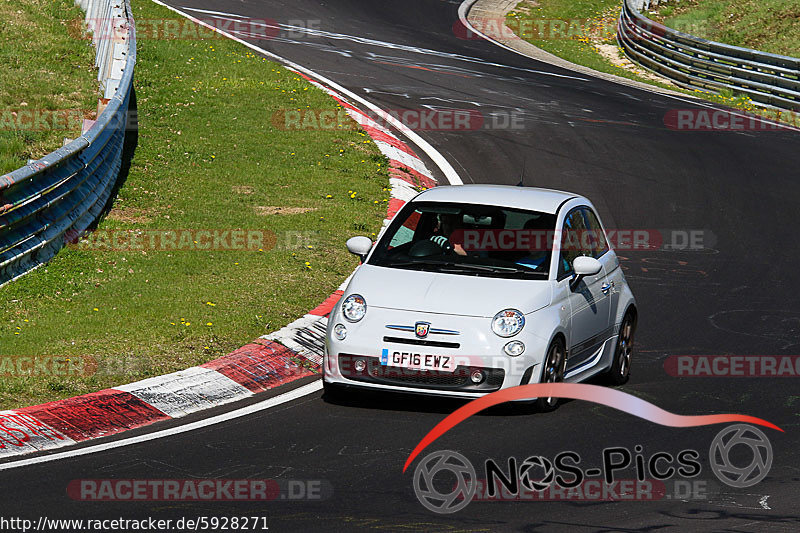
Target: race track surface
[738,295]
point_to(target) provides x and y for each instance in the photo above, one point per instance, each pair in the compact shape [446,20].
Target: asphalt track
[608,142]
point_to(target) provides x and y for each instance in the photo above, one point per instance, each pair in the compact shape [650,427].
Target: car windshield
[468,239]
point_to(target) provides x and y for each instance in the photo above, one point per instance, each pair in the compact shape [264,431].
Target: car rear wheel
[553,372]
[620,369]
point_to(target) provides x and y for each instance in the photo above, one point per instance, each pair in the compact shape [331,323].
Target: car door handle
[605,287]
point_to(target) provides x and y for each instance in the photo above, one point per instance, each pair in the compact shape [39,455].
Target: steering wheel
[428,248]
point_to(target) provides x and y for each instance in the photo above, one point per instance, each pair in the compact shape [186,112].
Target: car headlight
[514,348]
[354,307]
[508,322]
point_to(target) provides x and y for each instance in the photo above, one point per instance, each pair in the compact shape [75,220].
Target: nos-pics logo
[445,481]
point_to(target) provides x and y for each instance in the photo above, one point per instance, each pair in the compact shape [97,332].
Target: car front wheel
[553,372]
[620,369]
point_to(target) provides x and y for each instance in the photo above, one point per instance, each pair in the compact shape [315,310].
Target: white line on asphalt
[386,44]
[446,168]
[224,417]
[763,502]
[214,12]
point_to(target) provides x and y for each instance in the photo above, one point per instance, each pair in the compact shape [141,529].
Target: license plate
[418,361]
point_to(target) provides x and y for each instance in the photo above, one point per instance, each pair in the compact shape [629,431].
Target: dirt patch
[360,147]
[131,215]
[612,54]
[243,189]
[281,210]
[526,6]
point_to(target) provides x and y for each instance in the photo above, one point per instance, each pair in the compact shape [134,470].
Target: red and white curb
[291,353]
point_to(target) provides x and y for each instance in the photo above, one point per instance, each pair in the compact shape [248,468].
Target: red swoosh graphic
[591,393]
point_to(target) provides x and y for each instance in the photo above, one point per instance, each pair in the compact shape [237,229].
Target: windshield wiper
[445,266]
[410,263]
[493,268]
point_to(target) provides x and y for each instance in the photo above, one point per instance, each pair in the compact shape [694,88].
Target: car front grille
[458,380]
[422,342]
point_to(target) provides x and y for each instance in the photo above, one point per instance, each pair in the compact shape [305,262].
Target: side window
[597,235]
[571,241]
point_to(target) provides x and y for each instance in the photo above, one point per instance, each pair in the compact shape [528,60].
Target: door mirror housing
[359,246]
[584,266]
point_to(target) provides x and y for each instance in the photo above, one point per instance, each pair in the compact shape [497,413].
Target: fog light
[514,348]
[476,376]
[340,332]
[360,365]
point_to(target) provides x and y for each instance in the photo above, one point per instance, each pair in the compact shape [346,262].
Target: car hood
[454,294]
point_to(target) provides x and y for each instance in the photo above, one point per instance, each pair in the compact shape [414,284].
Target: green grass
[44,65]
[208,157]
[768,25]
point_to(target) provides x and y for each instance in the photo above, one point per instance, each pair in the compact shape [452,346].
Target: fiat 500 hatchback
[475,288]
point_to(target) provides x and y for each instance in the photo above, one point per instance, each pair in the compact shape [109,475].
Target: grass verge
[767,25]
[211,155]
[44,67]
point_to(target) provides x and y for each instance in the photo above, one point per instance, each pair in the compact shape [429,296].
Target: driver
[446,224]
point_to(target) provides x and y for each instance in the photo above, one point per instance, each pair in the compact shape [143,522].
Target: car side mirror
[359,246]
[584,266]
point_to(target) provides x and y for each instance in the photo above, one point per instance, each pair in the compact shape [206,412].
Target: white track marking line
[209,12]
[238,413]
[381,44]
[763,502]
[448,170]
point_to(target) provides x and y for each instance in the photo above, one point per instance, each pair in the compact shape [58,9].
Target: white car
[475,288]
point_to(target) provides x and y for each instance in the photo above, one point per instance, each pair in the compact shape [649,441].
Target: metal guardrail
[646,4]
[49,202]
[768,79]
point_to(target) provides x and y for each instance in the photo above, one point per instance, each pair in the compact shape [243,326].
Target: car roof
[529,198]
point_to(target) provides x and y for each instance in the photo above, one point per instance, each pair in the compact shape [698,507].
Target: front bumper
[474,349]
[459,380]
